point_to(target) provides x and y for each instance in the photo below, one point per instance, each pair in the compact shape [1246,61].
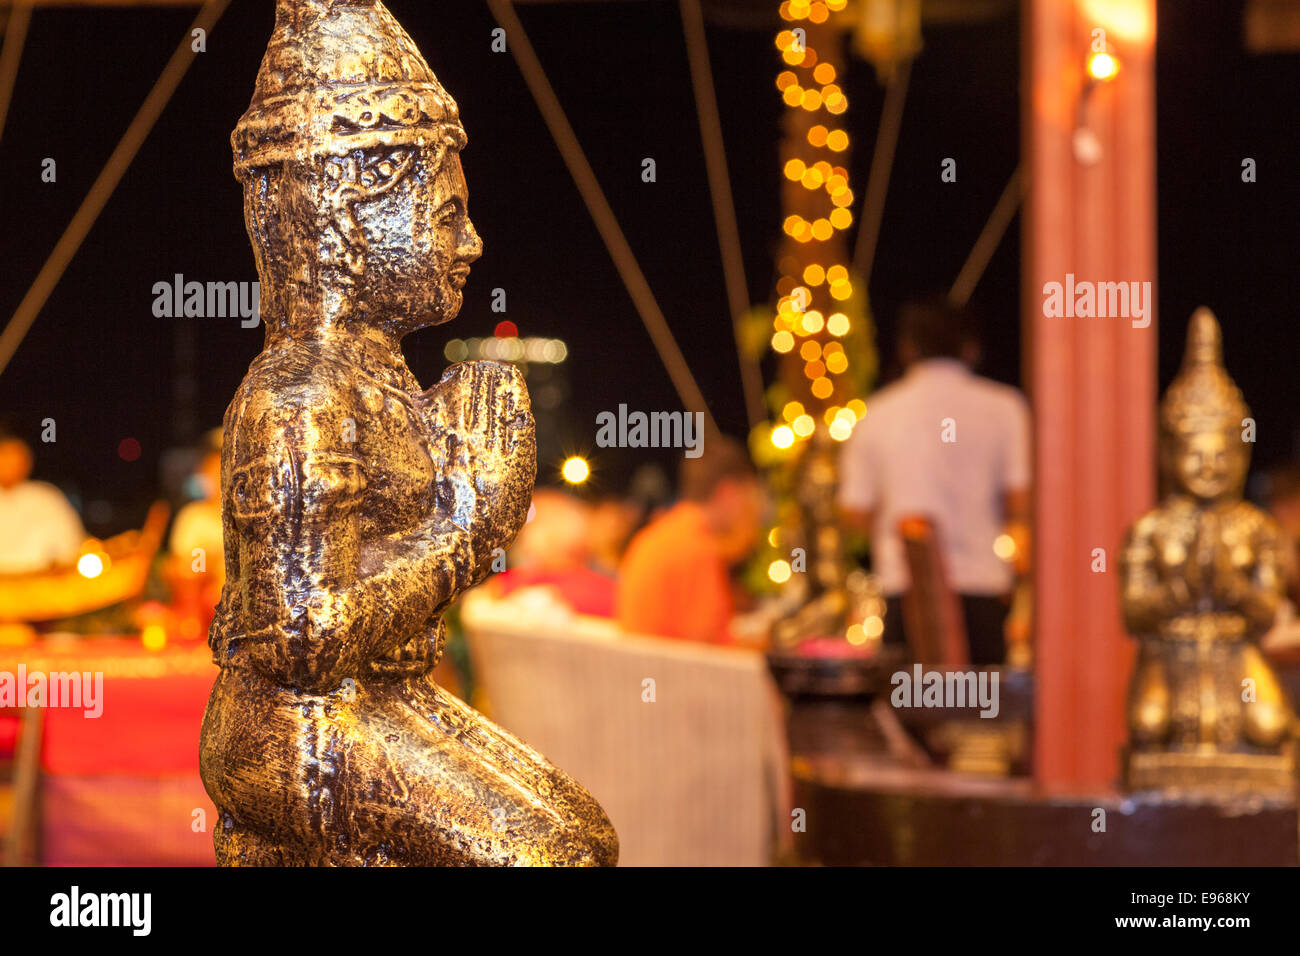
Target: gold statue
[1202,576]
[357,506]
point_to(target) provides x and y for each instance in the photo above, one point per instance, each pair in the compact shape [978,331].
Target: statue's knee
[1266,723]
[1149,715]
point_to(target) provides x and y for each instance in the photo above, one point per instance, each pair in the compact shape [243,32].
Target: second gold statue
[1202,576]
[355,505]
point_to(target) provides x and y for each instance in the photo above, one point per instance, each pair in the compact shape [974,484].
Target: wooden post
[1090,213]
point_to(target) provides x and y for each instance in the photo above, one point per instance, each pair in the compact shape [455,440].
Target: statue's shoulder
[292,406]
[1247,519]
[290,436]
[1149,525]
[291,384]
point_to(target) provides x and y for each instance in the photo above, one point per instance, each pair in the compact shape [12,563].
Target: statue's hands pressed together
[1232,585]
[356,506]
[481,436]
[1178,580]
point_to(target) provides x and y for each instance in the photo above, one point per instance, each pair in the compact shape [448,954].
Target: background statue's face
[420,243]
[1209,465]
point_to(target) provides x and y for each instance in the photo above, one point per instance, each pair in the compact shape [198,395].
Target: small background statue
[357,506]
[1202,577]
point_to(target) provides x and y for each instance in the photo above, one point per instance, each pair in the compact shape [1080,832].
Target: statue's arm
[1259,596]
[1146,600]
[317,604]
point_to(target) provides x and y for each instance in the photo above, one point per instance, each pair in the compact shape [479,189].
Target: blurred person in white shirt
[953,446]
[38,527]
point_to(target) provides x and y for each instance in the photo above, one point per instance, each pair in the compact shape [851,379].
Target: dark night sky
[100,363]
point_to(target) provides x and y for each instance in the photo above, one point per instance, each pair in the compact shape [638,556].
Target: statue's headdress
[340,75]
[1202,398]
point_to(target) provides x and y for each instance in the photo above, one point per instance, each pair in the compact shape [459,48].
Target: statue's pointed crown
[340,75]
[1203,397]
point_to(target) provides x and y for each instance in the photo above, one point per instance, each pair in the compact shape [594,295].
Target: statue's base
[1210,773]
[862,812]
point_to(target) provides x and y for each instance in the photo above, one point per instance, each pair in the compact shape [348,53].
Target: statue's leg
[392,772]
[1149,698]
[259,769]
[438,784]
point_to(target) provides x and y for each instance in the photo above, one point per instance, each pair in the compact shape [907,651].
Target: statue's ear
[359,177]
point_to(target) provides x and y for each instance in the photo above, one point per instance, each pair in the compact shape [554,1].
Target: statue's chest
[399,471]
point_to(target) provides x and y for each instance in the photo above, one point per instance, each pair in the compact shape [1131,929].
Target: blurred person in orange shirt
[674,580]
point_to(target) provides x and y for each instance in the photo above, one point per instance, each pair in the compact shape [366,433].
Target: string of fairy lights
[813,288]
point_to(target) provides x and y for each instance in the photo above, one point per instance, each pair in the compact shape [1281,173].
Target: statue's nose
[471,246]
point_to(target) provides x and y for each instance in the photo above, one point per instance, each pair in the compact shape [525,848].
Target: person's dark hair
[935,327]
[722,458]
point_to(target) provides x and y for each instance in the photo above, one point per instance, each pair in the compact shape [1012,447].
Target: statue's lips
[459,275]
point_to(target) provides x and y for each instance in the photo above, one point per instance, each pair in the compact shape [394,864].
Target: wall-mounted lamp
[1101,67]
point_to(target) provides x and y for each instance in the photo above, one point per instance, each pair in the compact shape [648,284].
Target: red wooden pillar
[1091,380]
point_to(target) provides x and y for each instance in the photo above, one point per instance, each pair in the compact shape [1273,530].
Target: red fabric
[123,788]
[149,725]
[8,737]
[586,591]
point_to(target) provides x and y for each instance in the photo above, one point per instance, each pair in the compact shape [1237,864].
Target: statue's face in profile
[1209,465]
[420,243]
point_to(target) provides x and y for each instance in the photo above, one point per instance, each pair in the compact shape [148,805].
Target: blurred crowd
[667,562]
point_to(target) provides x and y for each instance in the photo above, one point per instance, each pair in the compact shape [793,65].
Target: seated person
[38,527]
[613,522]
[554,551]
[674,580]
[195,568]
[198,523]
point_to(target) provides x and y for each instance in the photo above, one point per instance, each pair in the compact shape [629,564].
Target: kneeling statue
[355,505]
[1202,577]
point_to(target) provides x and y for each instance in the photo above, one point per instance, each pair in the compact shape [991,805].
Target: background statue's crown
[340,75]
[1203,397]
